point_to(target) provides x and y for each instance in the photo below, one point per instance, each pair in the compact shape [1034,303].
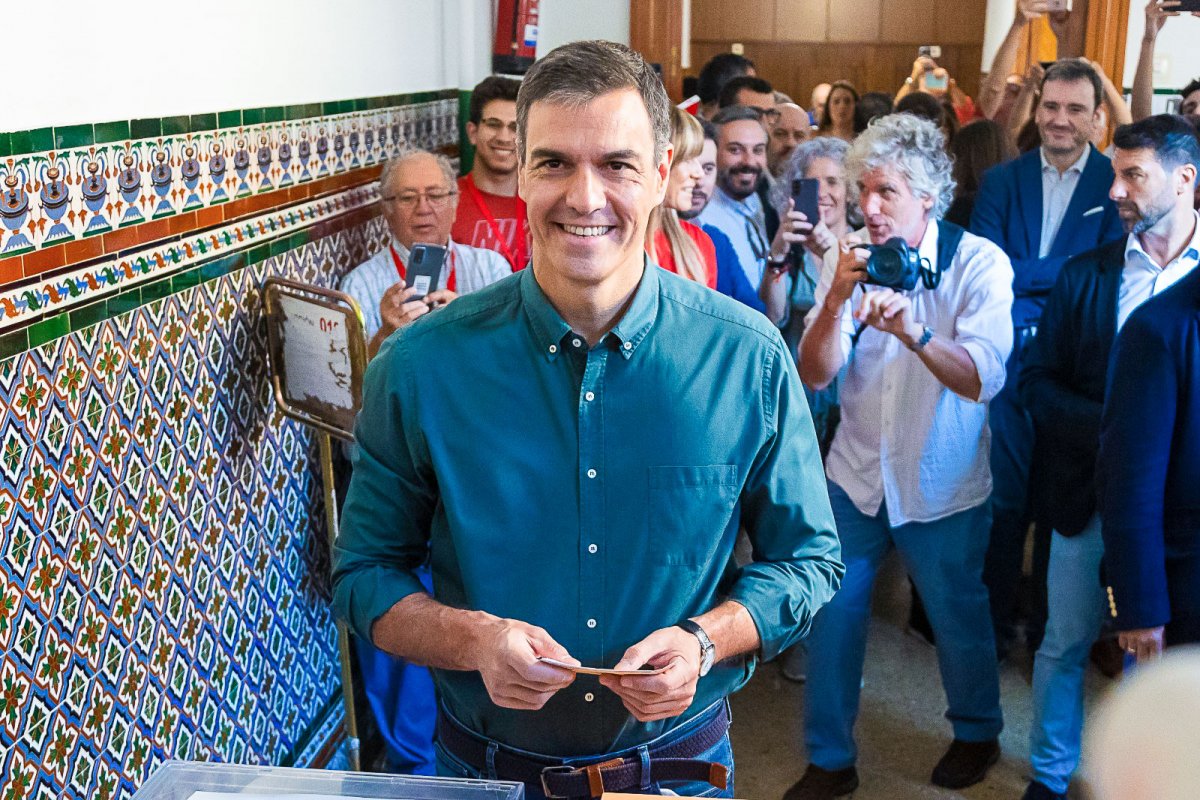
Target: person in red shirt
[490,214]
[677,245]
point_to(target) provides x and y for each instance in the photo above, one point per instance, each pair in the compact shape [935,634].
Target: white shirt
[1057,191]
[475,268]
[1142,278]
[742,221]
[904,437]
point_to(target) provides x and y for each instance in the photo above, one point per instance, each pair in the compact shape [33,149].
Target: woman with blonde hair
[674,244]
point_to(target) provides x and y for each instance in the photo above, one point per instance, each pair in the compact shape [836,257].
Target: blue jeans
[944,558]
[401,696]
[1077,604]
[722,753]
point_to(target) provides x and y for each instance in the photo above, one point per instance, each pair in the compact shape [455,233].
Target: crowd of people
[989,308]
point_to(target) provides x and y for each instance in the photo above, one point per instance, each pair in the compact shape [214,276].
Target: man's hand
[511,671]
[1146,644]
[667,694]
[1157,12]
[851,271]
[1029,10]
[890,312]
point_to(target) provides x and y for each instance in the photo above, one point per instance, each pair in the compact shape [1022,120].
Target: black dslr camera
[897,266]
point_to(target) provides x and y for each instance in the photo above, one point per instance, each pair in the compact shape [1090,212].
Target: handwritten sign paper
[318,354]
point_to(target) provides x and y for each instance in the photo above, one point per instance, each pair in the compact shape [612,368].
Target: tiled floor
[901,731]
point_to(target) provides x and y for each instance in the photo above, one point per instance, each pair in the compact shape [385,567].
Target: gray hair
[575,74]
[800,160]
[912,145]
[398,161]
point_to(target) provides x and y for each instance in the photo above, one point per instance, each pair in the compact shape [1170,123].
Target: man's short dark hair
[921,104]
[575,74]
[1194,86]
[729,92]
[736,114]
[1170,136]
[491,88]
[1069,70]
[870,106]
[719,70]
[710,130]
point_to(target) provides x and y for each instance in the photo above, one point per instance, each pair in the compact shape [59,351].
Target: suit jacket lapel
[1112,263]
[1091,185]
[1029,185]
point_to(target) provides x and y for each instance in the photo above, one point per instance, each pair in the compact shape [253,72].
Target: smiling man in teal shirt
[574,448]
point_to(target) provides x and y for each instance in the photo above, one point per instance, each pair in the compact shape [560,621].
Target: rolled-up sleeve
[984,324]
[785,508]
[386,517]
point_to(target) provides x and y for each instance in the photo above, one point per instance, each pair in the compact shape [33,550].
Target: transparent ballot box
[192,780]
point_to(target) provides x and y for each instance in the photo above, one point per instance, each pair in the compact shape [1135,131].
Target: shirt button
[589,697]
[629,345]
[553,348]
[592,549]
[591,473]
[591,623]
[590,396]
[576,342]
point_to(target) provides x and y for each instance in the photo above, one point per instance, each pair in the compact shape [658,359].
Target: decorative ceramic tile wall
[163,566]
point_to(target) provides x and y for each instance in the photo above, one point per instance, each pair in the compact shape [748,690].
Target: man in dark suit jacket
[1149,474]
[1043,208]
[1062,383]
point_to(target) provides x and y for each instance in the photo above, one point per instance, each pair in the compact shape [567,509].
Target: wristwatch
[707,648]
[926,335]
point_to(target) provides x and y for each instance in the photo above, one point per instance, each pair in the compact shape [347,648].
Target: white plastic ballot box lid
[183,780]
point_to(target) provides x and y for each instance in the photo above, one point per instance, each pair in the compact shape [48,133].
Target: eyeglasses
[410,199]
[496,125]
[771,115]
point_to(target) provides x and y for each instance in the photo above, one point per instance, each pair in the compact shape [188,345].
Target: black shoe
[823,784]
[1038,791]
[965,763]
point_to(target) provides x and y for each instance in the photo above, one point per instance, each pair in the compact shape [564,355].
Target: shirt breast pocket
[688,510]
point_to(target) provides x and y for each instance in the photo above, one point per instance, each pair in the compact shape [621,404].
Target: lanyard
[506,251]
[451,279]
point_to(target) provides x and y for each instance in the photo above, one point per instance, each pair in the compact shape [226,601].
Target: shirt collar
[1192,251]
[1077,167]
[550,329]
[748,207]
[928,248]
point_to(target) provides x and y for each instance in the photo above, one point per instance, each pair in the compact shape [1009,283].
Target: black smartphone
[425,268]
[1187,5]
[804,195]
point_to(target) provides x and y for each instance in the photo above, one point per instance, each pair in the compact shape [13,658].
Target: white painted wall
[1175,51]
[79,61]
[562,21]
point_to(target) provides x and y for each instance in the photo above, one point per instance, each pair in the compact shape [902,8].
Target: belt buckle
[561,769]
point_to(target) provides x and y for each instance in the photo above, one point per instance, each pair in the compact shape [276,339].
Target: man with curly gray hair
[908,467]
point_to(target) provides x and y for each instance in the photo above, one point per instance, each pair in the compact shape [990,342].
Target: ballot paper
[596,671]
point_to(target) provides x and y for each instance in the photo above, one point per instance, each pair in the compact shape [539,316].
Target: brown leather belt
[671,761]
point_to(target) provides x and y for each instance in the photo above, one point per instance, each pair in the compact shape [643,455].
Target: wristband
[919,344]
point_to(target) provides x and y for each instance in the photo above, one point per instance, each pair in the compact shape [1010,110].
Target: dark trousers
[1012,454]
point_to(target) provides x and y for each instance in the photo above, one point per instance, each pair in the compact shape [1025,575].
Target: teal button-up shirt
[595,492]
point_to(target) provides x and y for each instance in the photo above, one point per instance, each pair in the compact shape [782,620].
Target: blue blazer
[1008,210]
[1149,467]
[731,280]
[1062,382]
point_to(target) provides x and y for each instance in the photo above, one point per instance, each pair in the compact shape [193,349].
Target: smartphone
[1187,5]
[425,268]
[1058,5]
[804,196]
[934,82]
[933,51]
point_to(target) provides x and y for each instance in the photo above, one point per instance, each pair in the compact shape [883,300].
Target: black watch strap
[707,648]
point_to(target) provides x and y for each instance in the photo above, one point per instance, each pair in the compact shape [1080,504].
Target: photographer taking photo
[909,463]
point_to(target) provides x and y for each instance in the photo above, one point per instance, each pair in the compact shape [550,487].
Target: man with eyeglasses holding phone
[490,214]
[418,199]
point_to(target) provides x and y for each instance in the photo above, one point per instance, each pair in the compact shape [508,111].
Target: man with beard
[1042,208]
[1063,383]
[736,209]
[731,281]
[490,214]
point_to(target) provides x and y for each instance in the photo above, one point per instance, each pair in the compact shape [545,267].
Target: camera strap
[949,238]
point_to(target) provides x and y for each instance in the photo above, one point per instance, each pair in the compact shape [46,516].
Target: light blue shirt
[742,221]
